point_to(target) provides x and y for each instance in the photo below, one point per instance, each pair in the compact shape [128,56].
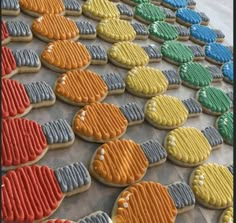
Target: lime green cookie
[176,52]
[213,100]
[162,31]
[195,75]
[148,13]
[225,125]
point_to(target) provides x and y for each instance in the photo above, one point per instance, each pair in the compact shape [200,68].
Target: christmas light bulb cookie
[82,87]
[227,216]
[25,142]
[228,72]
[168,112]
[174,4]
[20,195]
[101,122]
[187,17]
[212,185]
[136,158]
[18,99]
[163,202]
[10,8]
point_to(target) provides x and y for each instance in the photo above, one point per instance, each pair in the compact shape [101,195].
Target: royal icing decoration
[188,16]
[227,216]
[175,4]
[228,71]
[8,61]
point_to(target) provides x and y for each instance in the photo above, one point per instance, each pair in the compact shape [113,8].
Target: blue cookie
[174,4]
[188,17]
[228,72]
[202,34]
[217,53]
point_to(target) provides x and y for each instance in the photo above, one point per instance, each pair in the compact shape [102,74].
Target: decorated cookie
[15,31]
[205,19]
[107,158]
[24,142]
[183,32]
[224,124]
[149,13]
[227,216]
[202,34]
[198,52]
[10,8]
[135,2]
[168,112]
[86,30]
[19,190]
[163,202]
[64,55]
[170,15]
[162,31]
[101,122]
[188,147]
[153,52]
[215,73]
[212,185]
[19,61]
[195,75]
[187,17]
[230,48]
[219,35]
[41,7]
[98,54]
[149,82]
[191,4]
[141,31]
[174,4]
[176,52]
[18,99]
[82,87]
[213,100]
[156,2]
[228,72]
[125,11]
[115,30]
[100,9]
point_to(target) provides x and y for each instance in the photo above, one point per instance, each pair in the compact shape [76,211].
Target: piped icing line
[8,62]
[4,32]
[193,106]
[227,216]
[215,73]
[197,51]
[228,71]
[140,29]
[183,31]
[188,17]
[191,4]
[231,168]
[96,217]
[114,82]
[204,17]
[219,34]
[125,11]
[174,4]
[12,5]
[86,29]
[18,29]
[170,15]
[153,52]
[72,6]
[97,53]
[172,77]
[213,136]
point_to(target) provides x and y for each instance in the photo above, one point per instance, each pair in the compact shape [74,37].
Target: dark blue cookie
[188,17]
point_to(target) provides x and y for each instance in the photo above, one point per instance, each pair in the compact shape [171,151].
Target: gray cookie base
[114,83]
[153,52]
[193,106]
[98,54]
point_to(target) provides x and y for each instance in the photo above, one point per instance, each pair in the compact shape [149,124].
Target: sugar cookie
[130,159]
[212,185]
[135,2]
[198,52]
[153,52]
[86,30]
[219,35]
[170,15]
[10,8]
[227,216]
[98,54]
[205,19]
[20,195]
[101,122]
[156,2]
[228,72]
[18,99]
[183,32]
[215,73]
[187,17]
[191,4]
[125,11]
[141,31]
[174,4]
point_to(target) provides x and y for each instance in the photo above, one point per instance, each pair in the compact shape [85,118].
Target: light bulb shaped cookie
[227,216]
[24,142]
[188,17]
[18,99]
[212,185]
[33,193]
[129,159]
[174,4]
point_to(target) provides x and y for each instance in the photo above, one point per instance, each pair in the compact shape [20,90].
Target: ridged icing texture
[55,27]
[120,162]
[193,106]
[140,29]
[166,110]
[213,184]
[128,53]
[66,54]
[181,194]
[113,81]
[218,52]
[203,16]
[132,112]
[168,12]
[30,193]
[140,1]
[4,30]
[197,51]
[125,10]
[97,52]
[103,9]
[230,94]
[154,151]
[10,5]
[39,91]
[191,2]
[97,217]
[215,72]
[188,16]
[182,31]
[176,51]
[172,77]
[152,51]
[187,145]
[116,30]
[163,30]
[228,216]
[214,99]
[8,62]
[22,141]
[213,136]
[81,86]
[14,98]
[18,29]
[219,33]
[228,70]
[43,6]
[203,33]
[149,12]
[146,80]
[72,5]
[86,28]
[100,121]
[195,74]
[72,177]
[230,48]
[131,203]
[57,131]
[26,58]
[176,3]
[225,126]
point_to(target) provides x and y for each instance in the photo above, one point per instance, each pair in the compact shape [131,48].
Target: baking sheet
[99,196]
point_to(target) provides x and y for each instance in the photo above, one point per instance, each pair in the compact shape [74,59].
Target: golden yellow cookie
[115,30]
[227,216]
[127,55]
[146,81]
[100,9]
[212,185]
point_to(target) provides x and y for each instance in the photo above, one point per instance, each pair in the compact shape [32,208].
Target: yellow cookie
[227,216]
[115,30]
